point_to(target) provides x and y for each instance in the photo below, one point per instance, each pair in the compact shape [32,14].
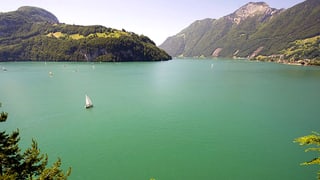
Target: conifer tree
[3,116]
[55,172]
[33,162]
[28,165]
[10,156]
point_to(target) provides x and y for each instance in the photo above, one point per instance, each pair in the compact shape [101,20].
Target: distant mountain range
[252,30]
[35,34]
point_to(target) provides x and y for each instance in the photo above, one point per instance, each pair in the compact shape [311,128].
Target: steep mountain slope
[35,34]
[299,22]
[253,29]
[188,38]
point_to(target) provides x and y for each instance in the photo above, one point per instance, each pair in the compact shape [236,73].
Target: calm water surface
[181,119]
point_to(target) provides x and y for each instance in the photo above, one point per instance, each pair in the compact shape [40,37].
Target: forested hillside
[252,30]
[34,34]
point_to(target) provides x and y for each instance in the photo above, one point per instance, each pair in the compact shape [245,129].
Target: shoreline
[280,59]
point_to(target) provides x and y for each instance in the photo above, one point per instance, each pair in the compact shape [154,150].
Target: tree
[314,141]
[28,165]
[3,116]
[33,163]
[54,172]
[10,156]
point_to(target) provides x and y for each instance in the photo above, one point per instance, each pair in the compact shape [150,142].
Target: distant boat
[88,103]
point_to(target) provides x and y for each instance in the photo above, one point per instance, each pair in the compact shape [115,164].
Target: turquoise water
[181,119]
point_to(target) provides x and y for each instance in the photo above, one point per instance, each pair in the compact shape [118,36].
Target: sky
[157,19]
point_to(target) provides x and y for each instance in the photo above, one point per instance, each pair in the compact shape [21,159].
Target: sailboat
[88,103]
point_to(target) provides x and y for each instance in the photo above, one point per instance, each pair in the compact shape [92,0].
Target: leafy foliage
[311,140]
[25,39]
[28,165]
[304,49]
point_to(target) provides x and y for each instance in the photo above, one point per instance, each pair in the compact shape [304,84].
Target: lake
[181,119]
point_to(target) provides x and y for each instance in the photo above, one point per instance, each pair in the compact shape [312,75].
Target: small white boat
[88,103]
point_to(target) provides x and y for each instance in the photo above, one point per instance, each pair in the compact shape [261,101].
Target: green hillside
[298,22]
[254,29]
[304,49]
[34,34]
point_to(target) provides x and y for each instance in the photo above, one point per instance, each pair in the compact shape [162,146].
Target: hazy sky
[157,19]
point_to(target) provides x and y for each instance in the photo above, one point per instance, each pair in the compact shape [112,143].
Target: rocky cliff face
[250,10]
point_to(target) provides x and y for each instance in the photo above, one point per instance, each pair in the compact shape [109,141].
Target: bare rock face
[256,52]
[216,52]
[252,9]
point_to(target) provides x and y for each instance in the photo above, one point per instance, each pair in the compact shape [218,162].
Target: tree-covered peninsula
[34,34]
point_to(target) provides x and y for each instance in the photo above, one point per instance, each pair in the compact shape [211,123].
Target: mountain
[253,29]
[12,22]
[32,33]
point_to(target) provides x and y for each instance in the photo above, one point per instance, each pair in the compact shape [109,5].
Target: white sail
[88,102]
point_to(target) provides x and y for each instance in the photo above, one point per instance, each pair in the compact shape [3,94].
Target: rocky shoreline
[280,59]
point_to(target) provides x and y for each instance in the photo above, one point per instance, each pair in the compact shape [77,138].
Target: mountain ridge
[252,9]
[251,30]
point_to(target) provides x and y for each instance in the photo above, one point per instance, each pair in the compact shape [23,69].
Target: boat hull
[88,106]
